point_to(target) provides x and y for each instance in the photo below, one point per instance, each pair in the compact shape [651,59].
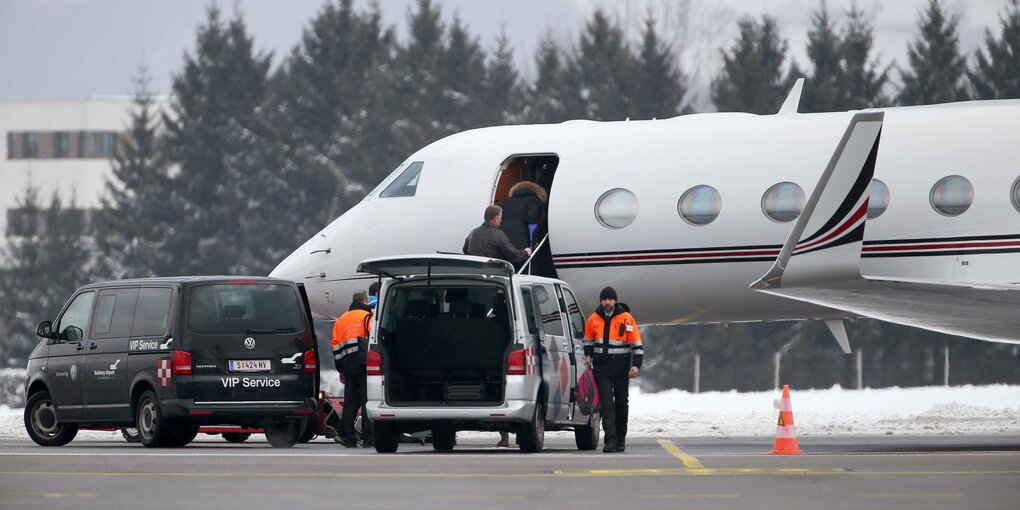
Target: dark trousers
[355,396]
[613,391]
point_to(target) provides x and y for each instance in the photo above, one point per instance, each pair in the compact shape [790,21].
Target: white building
[58,145]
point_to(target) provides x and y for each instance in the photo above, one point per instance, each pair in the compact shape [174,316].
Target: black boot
[610,447]
[621,445]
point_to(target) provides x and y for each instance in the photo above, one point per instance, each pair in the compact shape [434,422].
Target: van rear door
[247,340]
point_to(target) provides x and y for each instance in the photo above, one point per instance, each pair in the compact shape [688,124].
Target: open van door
[436,264]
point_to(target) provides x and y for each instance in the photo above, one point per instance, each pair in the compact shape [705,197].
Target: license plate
[249,365]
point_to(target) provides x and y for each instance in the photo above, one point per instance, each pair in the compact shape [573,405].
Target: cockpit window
[406,184]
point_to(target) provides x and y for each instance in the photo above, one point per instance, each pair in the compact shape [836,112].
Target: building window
[952,195]
[62,144]
[12,148]
[102,144]
[783,202]
[879,200]
[406,184]
[29,145]
[81,144]
[700,205]
[616,208]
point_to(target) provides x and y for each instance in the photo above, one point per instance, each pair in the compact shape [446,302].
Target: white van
[462,343]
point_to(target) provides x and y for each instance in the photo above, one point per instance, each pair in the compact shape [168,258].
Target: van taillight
[182,363]
[311,365]
[374,363]
[516,365]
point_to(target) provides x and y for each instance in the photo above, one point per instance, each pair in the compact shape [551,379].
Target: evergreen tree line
[250,159]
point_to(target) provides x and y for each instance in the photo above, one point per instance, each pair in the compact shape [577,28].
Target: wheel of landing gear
[130,434]
[41,422]
[444,439]
[236,437]
[284,433]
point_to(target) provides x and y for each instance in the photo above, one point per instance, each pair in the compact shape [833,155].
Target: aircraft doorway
[539,169]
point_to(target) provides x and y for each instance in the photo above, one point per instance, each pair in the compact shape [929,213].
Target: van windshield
[244,309]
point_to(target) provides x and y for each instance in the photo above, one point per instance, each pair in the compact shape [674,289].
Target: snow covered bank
[973,410]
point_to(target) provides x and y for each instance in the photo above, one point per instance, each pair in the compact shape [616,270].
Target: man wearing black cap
[612,343]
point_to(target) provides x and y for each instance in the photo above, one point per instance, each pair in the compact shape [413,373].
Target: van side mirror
[45,329]
[73,334]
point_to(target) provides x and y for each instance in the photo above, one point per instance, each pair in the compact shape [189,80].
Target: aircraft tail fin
[825,243]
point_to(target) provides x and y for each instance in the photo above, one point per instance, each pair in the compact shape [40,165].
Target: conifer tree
[462,80]
[49,254]
[504,92]
[996,72]
[659,85]
[604,66]
[134,222]
[752,77]
[551,98]
[864,77]
[418,84]
[823,88]
[329,105]
[937,72]
[234,199]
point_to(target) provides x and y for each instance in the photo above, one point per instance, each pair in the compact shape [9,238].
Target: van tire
[387,437]
[236,437]
[284,433]
[587,436]
[183,434]
[532,438]
[310,430]
[41,422]
[444,439]
[153,430]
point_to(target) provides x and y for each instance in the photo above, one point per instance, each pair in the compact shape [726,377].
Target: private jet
[909,215]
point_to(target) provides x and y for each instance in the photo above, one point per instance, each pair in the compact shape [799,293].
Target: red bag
[588,401]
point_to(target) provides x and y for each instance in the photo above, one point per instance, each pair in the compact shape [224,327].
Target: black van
[167,355]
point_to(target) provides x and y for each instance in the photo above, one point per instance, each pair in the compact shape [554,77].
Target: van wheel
[236,437]
[310,431]
[387,437]
[153,430]
[182,435]
[284,433]
[587,436]
[41,422]
[532,439]
[444,439]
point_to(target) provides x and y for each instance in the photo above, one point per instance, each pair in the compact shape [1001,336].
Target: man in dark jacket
[488,240]
[612,343]
[522,208]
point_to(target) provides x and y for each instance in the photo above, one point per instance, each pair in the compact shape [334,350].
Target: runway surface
[894,472]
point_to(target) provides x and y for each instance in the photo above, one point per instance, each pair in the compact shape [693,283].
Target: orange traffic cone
[786,438]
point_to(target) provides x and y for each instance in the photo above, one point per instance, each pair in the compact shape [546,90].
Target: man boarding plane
[686,215]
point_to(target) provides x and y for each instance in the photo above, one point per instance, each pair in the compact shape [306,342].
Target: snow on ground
[957,410]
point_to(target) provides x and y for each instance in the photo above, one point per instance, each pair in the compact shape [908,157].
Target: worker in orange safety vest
[350,353]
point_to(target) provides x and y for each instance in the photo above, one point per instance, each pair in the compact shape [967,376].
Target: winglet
[792,102]
[825,244]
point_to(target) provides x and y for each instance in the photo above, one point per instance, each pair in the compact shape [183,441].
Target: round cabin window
[616,208]
[1014,195]
[783,202]
[879,200]
[952,195]
[700,205]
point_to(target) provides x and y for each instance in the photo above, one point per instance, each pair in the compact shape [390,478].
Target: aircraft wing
[820,261]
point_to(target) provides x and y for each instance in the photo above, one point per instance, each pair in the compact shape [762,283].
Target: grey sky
[76,48]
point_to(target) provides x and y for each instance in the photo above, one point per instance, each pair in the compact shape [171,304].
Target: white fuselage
[665,268]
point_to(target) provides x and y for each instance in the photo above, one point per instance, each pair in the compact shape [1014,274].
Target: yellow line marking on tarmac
[688,460]
[53,495]
[574,474]
[689,496]
[912,495]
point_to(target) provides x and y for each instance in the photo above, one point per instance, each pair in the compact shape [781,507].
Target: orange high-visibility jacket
[348,329]
[614,346]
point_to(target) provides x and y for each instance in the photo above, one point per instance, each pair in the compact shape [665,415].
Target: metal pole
[945,371]
[776,358]
[860,371]
[697,373]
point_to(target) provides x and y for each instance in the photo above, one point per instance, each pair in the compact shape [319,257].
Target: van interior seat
[234,311]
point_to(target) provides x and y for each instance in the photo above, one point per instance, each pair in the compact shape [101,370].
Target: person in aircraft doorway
[487,240]
[612,346]
[350,355]
[522,211]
